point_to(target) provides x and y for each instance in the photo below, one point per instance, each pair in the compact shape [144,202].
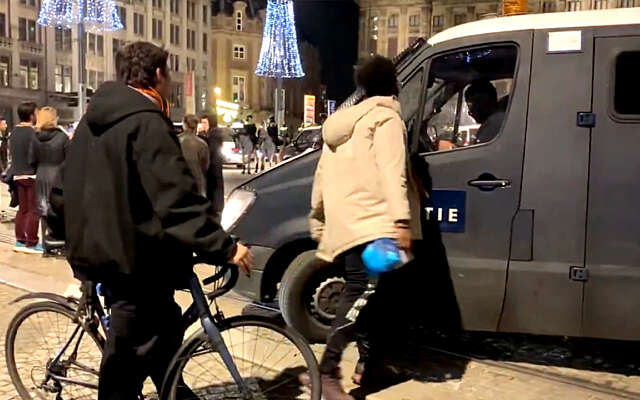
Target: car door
[611,297]
[476,188]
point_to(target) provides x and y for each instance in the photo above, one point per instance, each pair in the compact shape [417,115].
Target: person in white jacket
[363,191]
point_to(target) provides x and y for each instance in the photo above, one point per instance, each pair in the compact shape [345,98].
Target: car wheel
[308,296]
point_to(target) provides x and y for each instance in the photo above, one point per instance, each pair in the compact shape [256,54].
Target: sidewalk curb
[32,282]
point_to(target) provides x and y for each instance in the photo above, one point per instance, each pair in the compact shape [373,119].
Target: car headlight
[236,206]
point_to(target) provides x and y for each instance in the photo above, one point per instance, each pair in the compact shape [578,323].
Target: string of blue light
[279,56]
[101,15]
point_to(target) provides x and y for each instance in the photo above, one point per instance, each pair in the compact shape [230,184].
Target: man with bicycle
[134,219]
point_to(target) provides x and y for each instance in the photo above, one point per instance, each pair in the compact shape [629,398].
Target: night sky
[332,27]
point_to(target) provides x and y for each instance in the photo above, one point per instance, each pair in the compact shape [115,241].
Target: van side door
[476,85]
[612,291]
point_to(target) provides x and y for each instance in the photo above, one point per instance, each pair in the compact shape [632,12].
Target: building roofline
[572,19]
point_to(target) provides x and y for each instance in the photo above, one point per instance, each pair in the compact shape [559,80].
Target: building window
[27,30]
[100,78]
[5,67]
[29,74]
[205,14]
[205,43]
[174,62]
[393,21]
[63,40]
[3,25]
[156,26]
[239,89]
[175,34]
[239,20]
[91,43]
[31,3]
[438,21]
[95,44]
[138,24]
[239,52]
[549,6]
[176,95]
[627,82]
[63,78]
[157,3]
[392,47]
[117,45]
[100,45]
[626,3]
[600,4]
[92,79]
[123,16]
[191,10]
[191,64]
[574,5]
[414,20]
[175,6]
[459,19]
[191,39]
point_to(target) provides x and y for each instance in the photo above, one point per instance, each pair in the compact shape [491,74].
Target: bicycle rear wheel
[268,356]
[36,335]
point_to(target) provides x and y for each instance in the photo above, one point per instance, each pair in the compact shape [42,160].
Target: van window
[627,86]
[467,97]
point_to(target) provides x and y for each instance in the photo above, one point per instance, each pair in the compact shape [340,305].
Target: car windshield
[308,136]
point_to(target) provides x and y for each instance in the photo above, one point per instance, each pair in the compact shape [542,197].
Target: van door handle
[487,182]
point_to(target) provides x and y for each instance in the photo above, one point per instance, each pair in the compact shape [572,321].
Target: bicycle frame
[200,309]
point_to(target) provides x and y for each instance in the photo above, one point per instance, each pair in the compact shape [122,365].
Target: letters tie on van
[448,208]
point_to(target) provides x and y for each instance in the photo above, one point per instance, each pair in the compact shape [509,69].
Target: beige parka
[363,183]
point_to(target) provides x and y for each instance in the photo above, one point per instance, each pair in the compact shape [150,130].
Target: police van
[536,214]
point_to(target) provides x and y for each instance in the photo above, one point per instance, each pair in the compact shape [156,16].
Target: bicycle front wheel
[269,357]
[50,356]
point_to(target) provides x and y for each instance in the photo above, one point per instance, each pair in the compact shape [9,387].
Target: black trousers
[353,314]
[146,332]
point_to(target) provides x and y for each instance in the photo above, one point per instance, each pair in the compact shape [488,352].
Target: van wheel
[308,295]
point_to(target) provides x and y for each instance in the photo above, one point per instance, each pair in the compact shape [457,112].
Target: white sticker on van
[561,42]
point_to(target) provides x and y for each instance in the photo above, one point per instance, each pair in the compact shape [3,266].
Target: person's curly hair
[136,63]
[377,77]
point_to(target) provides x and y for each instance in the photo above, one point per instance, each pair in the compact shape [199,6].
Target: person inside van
[362,192]
[482,101]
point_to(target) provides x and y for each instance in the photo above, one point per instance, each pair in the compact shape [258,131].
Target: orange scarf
[156,97]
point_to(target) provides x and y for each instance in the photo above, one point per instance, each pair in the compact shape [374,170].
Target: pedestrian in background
[215,179]
[51,149]
[195,151]
[22,172]
[362,192]
[4,145]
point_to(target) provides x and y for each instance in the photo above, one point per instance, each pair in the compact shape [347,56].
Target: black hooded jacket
[132,208]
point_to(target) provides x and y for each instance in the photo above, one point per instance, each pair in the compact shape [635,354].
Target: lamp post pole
[82,57]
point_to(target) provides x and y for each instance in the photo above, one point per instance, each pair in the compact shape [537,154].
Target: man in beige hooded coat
[362,192]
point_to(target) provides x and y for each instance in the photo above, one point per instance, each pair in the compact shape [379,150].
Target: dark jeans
[353,319]
[27,219]
[145,334]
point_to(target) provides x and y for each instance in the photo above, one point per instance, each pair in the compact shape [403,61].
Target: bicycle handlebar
[225,269]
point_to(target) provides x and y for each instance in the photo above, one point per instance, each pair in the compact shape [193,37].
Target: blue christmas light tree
[96,15]
[279,56]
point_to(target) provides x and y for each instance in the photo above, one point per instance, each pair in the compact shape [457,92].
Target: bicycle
[213,362]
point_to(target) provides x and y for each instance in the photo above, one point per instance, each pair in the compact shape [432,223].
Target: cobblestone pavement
[7,294]
[421,374]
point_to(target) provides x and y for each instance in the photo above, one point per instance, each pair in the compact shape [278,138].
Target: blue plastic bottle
[381,256]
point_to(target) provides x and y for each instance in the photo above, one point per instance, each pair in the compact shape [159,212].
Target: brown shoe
[332,388]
